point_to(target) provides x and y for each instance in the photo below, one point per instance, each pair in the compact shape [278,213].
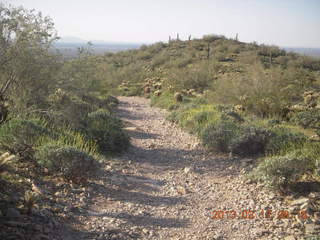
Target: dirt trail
[170,186]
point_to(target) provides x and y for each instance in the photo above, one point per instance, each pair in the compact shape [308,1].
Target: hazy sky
[292,23]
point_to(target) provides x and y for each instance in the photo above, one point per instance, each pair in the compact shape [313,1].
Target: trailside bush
[280,171]
[218,136]
[106,102]
[19,136]
[310,150]
[196,119]
[233,116]
[308,119]
[68,161]
[251,140]
[166,100]
[282,139]
[106,131]
[68,109]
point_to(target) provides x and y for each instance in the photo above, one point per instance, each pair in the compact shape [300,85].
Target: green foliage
[234,116]
[218,136]
[70,162]
[27,68]
[165,100]
[68,109]
[251,140]
[280,171]
[282,139]
[106,130]
[106,102]
[308,119]
[19,136]
[196,118]
[132,90]
[294,161]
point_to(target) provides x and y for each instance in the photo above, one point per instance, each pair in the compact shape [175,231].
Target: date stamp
[251,214]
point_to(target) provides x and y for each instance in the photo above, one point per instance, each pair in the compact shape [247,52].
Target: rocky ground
[166,186]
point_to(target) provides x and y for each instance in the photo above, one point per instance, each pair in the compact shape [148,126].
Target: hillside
[238,98]
[172,140]
[215,63]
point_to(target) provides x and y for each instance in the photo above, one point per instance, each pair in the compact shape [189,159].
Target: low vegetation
[242,98]
[57,116]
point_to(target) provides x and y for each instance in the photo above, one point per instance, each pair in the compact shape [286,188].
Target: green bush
[218,136]
[233,116]
[308,119]
[279,171]
[106,131]
[68,109]
[166,100]
[251,140]
[133,90]
[106,102]
[69,161]
[282,139]
[310,150]
[273,122]
[19,136]
[194,117]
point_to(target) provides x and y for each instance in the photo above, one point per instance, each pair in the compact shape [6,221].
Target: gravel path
[168,187]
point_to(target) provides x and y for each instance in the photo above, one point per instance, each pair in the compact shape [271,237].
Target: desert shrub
[218,136]
[107,102]
[110,100]
[273,122]
[68,161]
[308,119]
[265,94]
[199,100]
[158,60]
[280,171]
[248,57]
[132,90]
[106,130]
[19,136]
[196,119]
[212,37]
[173,117]
[234,116]
[198,76]
[281,139]
[183,62]
[311,150]
[68,109]
[166,100]
[251,140]
[144,55]
[270,51]
[309,63]
[64,135]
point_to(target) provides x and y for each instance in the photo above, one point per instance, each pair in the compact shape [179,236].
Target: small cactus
[157,93]
[178,97]
[239,108]
[5,158]
[147,90]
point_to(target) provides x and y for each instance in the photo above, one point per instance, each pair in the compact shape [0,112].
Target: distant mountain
[71,39]
[69,46]
[313,52]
